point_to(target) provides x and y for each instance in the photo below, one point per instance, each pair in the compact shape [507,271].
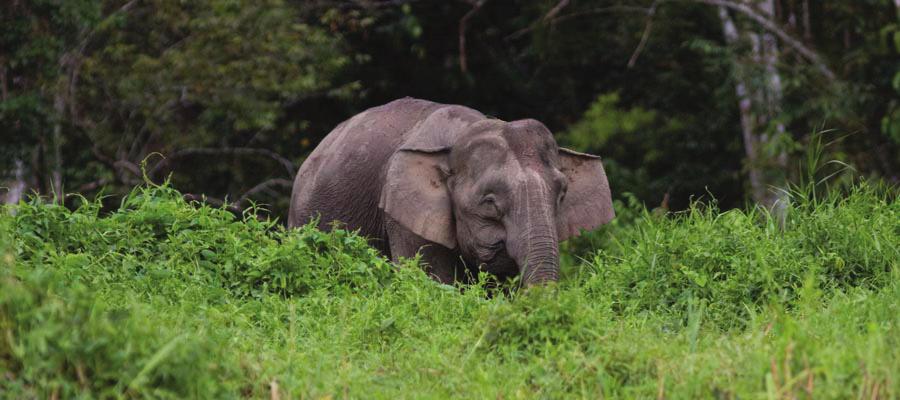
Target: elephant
[466,192]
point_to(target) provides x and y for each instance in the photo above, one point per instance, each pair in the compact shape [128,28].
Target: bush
[168,299]
[156,235]
[63,340]
[736,261]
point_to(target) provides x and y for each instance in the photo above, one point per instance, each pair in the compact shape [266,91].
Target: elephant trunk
[537,248]
[541,263]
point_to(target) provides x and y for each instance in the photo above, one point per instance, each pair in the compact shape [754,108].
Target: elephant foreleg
[439,262]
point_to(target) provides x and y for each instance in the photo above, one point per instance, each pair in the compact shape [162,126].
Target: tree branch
[645,36]
[90,35]
[771,26]
[555,10]
[357,4]
[742,8]
[87,187]
[127,166]
[228,151]
[264,186]
[238,206]
[554,19]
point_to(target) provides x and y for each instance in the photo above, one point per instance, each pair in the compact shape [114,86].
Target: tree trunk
[759,107]
[776,195]
[17,185]
[61,98]
[56,188]
[745,104]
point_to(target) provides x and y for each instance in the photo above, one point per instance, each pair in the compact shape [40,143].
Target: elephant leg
[439,262]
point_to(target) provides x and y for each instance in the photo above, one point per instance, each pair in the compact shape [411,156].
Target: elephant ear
[416,195]
[588,202]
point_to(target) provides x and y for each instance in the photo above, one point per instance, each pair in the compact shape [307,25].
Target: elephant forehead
[530,141]
[482,150]
[510,146]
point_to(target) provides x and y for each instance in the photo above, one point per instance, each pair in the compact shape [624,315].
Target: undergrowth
[167,299]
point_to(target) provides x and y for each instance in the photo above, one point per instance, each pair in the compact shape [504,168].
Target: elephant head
[503,193]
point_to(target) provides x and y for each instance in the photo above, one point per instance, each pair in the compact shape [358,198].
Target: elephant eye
[489,202]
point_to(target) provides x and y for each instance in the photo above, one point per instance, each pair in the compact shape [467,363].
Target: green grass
[165,299]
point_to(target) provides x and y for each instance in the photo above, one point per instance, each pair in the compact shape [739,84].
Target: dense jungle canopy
[728,99]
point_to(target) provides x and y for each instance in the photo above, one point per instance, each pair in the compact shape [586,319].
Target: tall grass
[166,299]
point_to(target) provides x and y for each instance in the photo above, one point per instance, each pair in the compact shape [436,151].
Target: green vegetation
[140,293]
[227,97]
[167,299]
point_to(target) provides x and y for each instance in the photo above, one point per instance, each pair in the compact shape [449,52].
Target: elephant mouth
[499,264]
[488,253]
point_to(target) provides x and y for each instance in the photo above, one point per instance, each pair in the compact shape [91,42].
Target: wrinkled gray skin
[466,191]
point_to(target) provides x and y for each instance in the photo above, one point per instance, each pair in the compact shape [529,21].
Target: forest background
[684,99]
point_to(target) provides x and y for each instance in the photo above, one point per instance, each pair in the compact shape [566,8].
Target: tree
[226,97]
[758,89]
[125,80]
[41,42]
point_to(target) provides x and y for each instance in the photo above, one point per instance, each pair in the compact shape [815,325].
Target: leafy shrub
[738,261]
[538,317]
[61,340]
[156,235]
[167,299]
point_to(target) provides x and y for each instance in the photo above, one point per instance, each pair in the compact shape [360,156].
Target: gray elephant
[466,191]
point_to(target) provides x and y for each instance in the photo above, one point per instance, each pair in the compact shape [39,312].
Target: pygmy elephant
[466,191]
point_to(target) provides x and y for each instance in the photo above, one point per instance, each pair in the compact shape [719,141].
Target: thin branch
[228,151]
[264,186]
[90,35]
[645,36]
[127,166]
[742,8]
[138,141]
[238,207]
[87,187]
[357,4]
[560,18]
[71,60]
[463,24]
[771,26]
[102,157]
[555,10]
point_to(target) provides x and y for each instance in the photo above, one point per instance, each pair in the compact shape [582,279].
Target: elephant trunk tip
[541,274]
